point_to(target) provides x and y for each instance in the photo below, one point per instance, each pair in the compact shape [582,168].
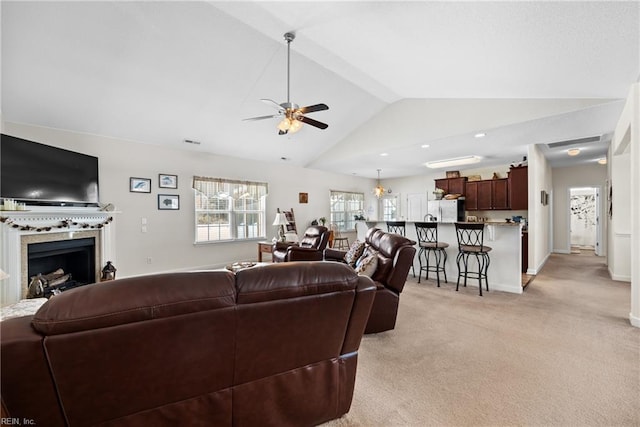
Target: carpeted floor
[561,354]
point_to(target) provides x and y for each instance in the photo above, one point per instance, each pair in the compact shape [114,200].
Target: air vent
[574,142]
[190,141]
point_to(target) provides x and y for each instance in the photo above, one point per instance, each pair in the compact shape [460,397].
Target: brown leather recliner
[270,345]
[310,248]
[395,258]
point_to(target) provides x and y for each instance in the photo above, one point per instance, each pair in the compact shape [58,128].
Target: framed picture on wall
[140,185]
[168,202]
[167,181]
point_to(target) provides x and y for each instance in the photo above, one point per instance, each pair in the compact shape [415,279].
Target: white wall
[591,175]
[540,225]
[169,240]
[624,230]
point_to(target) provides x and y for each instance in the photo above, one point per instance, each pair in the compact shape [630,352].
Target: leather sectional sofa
[395,258]
[273,345]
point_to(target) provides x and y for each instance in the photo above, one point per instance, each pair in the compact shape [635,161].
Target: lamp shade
[281,219]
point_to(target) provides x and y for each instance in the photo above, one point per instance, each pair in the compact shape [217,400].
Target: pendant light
[379,190]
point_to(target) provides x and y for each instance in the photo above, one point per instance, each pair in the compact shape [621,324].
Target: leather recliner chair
[395,258]
[310,248]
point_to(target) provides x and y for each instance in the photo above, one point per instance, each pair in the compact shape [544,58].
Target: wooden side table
[264,247]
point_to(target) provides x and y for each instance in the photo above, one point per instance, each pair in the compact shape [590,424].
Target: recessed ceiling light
[425,146]
[480,135]
[466,160]
[384,154]
[573,151]
[602,161]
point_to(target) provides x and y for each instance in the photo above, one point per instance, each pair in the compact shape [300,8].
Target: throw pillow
[367,265]
[354,253]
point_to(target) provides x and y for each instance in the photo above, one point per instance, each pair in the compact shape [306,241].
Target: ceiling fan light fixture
[458,161]
[296,125]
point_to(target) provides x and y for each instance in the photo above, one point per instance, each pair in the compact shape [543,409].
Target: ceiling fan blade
[250,119]
[312,122]
[273,104]
[313,108]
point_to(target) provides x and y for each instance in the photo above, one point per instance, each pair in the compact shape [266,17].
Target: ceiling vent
[568,142]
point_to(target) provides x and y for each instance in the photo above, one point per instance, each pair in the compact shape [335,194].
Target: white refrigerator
[445,210]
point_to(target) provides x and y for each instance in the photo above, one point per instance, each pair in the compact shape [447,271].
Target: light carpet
[561,354]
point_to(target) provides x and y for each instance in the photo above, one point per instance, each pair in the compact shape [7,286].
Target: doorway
[584,220]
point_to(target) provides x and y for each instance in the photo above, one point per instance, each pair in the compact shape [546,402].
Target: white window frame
[390,207]
[343,206]
[217,198]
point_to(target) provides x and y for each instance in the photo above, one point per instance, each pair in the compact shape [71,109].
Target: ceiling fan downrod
[289,37]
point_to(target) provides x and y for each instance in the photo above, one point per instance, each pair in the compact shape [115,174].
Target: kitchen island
[506,255]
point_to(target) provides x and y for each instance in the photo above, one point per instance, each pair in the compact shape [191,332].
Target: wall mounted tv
[39,174]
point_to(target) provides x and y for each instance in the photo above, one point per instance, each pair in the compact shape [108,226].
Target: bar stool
[471,242]
[399,227]
[427,233]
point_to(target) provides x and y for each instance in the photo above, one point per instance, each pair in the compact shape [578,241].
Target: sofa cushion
[367,264]
[135,299]
[354,253]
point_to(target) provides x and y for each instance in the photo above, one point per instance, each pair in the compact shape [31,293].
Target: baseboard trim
[535,271]
[562,251]
[635,321]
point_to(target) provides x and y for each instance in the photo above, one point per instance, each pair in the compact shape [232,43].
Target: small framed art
[303,197]
[168,202]
[140,185]
[167,181]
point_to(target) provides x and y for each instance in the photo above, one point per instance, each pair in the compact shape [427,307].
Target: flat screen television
[39,174]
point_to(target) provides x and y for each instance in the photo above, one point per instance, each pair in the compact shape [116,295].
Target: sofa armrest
[334,254]
[363,301]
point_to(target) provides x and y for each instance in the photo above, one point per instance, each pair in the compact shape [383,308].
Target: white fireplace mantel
[12,240]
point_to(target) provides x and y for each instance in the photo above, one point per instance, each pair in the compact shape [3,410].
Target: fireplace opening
[75,257]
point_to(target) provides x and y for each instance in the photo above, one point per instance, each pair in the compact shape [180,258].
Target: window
[344,207]
[389,208]
[229,210]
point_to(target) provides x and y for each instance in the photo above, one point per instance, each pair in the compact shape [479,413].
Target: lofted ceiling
[396,76]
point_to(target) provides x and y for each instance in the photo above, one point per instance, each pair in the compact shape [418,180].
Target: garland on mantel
[65,223]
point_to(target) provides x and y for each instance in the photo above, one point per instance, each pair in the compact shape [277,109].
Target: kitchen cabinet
[500,193]
[518,188]
[487,195]
[452,185]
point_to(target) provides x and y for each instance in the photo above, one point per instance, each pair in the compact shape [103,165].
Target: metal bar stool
[471,242]
[399,227]
[427,233]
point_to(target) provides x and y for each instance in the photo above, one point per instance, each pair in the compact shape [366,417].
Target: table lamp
[280,221]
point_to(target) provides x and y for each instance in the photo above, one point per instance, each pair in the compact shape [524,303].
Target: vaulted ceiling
[396,76]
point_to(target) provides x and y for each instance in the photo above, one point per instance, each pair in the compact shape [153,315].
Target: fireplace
[47,225]
[75,258]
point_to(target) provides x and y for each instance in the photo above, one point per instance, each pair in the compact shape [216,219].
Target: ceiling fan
[292,115]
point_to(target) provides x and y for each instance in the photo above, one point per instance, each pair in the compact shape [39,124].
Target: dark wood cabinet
[484,195]
[500,194]
[471,196]
[525,251]
[452,185]
[487,195]
[518,188]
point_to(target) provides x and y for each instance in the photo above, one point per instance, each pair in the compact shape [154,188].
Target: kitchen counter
[506,255]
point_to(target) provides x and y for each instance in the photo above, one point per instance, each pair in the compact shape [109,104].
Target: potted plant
[439,192]
[322,220]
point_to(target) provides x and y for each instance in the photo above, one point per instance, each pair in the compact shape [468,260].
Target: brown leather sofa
[310,248]
[271,345]
[395,258]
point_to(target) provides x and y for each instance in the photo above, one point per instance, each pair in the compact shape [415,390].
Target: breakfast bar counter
[504,238]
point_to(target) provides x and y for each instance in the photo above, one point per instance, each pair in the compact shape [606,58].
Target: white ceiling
[396,75]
